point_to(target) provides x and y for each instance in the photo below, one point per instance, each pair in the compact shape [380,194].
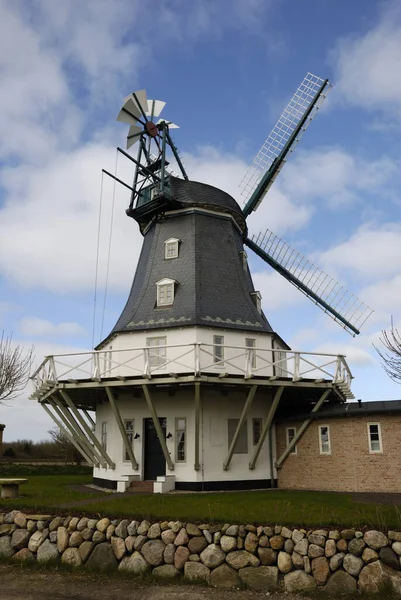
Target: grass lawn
[49,487]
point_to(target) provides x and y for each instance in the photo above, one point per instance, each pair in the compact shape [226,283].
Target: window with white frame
[241,446]
[250,343]
[256,430]
[129,431]
[171,247]
[375,438]
[165,292]
[324,439]
[218,349]
[290,434]
[257,300]
[157,351]
[180,439]
[103,435]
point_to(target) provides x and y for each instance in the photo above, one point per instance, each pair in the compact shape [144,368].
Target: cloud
[366,66]
[33,326]
[276,291]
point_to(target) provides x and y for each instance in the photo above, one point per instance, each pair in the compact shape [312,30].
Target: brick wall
[350,466]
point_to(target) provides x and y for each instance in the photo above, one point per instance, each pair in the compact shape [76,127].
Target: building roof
[348,409]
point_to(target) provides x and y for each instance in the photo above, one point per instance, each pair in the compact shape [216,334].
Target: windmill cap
[194,193]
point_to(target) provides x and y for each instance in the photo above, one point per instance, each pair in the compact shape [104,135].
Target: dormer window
[165,292]
[257,300]
[171,248]
[244,260]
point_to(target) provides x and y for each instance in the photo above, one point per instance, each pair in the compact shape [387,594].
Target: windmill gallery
[193,389]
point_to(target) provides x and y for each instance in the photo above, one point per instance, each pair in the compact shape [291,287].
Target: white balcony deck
[194,360]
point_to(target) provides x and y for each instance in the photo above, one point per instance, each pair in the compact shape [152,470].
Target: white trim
[165,292]
[287,439]
[380,451]
[328,440]
[218,357]
[171,244]
[177,430]
[129,432]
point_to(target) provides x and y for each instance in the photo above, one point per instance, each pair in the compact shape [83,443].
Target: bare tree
[15,366]
[391,354]
[67,447]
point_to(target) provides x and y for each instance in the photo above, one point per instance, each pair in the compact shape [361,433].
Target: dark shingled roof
[213,289]
[350,409]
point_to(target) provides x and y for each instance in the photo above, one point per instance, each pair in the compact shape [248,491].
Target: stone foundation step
[144,487]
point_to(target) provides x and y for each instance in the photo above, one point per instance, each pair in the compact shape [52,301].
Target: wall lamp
[169,435]
[136,436]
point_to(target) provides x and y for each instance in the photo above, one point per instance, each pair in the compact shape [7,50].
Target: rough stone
[297,560]
[299,581]
[196,571]
[24,555]
[266,530]
[197,544]
[356,546]
[154,531]
[98,537]
[92,523]
[358,534]
[168,536]
[339,584]
[164,525]
[40,525]
[31,526]
[53,537]
[348,534]
[129,543]
[71,557]
[165,572]
[289,546]
[47,552]
[102,557]
[390,558]
[168,554]
[297,536]
[135,564]
[352,564]
[213,556]
[254,529]
[20,520]
[396,546]
[375,575]
[264,541]
[336,561]
[102,525]
[181,556]
[56,523]
[334,535]
[9,517]
[375,539]
[175,526]
[369,555]
[302,547]
[320,570]
[110,531]
[20,539]
[251,542]
[182,538]
[143,527]
[153,552]
[286,533]
[132,528]
[330,548]
[342,545]
[317,540]
[277,529]
[87,534]
[118,545]
[63,539]
[207,535]
[240,543]
[224,577]
[217,537]
[261,579]
[267,556]
[121,530]
[315,551]
[232,530]
[228,543]
[140,540]
[37,539]
[394,535]
[85,550]
[240,559]
[82,523]
[76,539]
[284,562]
[277,542]
[7,529]
[307,565]
[6,550]
[193,529]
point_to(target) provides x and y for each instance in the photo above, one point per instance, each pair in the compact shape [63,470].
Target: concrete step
[144,487]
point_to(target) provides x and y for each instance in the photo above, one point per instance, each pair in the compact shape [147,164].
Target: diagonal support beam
[75,429]
[158,428]
[121,427]
[266,426]
[197,425]
[301,430]
[245,410]
[87,429]
[69,436]
[88,416]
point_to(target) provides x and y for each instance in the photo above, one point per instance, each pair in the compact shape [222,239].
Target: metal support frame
[68,435]
[301,430]
[159,430]
[176,155]
[87,429]
[197,425]
[127,445]
[245,410]
[70,423]
[91,421]
[266,427]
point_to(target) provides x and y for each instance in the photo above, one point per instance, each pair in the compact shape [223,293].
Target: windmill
[151,190]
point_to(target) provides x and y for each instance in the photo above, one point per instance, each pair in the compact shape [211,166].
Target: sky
[226,70]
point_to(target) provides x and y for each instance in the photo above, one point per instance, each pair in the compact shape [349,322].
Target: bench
[10,487]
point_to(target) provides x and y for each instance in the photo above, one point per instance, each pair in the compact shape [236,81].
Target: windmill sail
[282,140]
[324,291]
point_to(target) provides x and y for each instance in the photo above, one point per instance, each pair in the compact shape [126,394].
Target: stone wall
[360,470]
[261,558]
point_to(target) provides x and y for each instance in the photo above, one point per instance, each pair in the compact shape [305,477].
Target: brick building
[347,447]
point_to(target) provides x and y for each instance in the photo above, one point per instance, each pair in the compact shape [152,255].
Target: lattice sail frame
[332,296]
[282,131]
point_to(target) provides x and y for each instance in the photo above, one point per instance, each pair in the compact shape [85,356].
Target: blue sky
[226,70]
